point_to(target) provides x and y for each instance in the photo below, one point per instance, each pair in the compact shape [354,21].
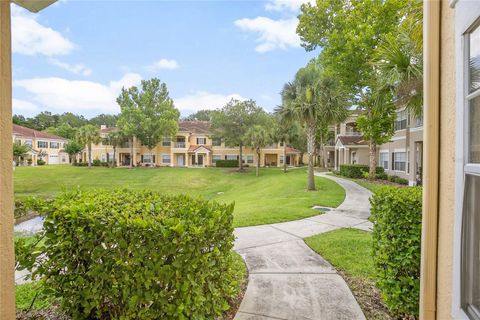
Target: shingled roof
[31,133]
[194,126]
[352,140]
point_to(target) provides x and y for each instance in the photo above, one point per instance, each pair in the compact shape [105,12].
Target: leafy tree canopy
[148,113]
[201,115]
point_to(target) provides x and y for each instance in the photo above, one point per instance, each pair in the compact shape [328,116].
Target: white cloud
[273,34]
[29,37]
[164,64]
[78,96]
[289,5]
[79,69]
[201,100]
[23,107]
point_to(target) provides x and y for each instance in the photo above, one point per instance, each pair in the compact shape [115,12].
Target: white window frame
[28,142]
[232,156]
[166,142]
[204,141]
[147,155]
[467,15]
[394,160]
[43,142]
[401,112]
[216,157]
[54,143]
[169,158]
[383,153]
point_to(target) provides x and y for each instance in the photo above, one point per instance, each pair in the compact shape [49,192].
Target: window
[216,157]
[166,142]
[248,158]
[399,161]
[401,120]
[470,248]
[42,144]
[166,158]
[281,159]
[216,142]
[54,145]
[201,140]
[28,143]
[231,157]
[148,158]
[384,160]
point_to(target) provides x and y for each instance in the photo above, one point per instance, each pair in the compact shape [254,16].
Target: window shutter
[141,157]
[153,158]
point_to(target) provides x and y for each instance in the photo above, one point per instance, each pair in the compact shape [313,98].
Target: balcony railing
[353,133]
[179,144]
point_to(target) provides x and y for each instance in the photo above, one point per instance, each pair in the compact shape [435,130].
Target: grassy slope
[272,197]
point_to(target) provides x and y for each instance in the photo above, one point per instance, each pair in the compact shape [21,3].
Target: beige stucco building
[192,146]
[42,146]
[402,156]
[450,271]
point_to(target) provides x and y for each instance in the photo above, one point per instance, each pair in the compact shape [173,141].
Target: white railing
[179,144]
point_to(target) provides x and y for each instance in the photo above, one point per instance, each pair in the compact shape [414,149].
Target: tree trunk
[300,162]
[114,157]
[131,152]
[311,155]
[373,160]
[258,161]
[90,155]
[284,157]
[240,161]
[322,153]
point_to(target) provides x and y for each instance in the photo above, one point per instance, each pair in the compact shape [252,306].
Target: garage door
[53,159]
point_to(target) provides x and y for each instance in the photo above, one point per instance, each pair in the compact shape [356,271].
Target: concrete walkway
[287,280]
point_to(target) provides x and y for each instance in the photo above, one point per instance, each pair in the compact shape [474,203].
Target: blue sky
[76,55]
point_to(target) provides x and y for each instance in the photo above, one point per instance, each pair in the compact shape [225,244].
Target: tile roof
[291,150]
[352,140]
[31,133]
[107,130]
[194,126]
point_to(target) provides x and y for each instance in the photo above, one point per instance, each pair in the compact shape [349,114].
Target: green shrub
[397,219]
[398,180]
[356,170]
[136,255]
[382,176]
[96,163]
[41,162]
[227,163]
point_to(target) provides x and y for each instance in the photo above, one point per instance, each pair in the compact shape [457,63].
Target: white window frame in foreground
[467,172]
[395,161]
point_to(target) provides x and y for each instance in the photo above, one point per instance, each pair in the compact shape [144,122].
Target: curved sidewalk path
[288,280]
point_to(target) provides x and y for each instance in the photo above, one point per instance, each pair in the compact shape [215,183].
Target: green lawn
[271,197]
[348,250]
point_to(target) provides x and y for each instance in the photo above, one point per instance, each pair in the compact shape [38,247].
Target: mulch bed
[368,297]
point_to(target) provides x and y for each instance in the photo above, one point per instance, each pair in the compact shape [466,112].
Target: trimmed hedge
[226,163]
[396,214]
[136,255]
[357,170]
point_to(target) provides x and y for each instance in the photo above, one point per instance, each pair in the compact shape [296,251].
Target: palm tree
[399,61]
[285,132]
[19,151]
[312,99]
[258,137]
[114,139]
[87,135]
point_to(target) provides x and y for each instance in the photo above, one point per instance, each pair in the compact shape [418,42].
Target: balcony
[180,144]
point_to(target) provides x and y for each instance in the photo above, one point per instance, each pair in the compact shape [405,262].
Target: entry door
[180,160]
[200,159]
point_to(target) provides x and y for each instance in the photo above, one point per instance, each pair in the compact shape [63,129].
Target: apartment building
[193,146]
[402,156]
[42,146]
